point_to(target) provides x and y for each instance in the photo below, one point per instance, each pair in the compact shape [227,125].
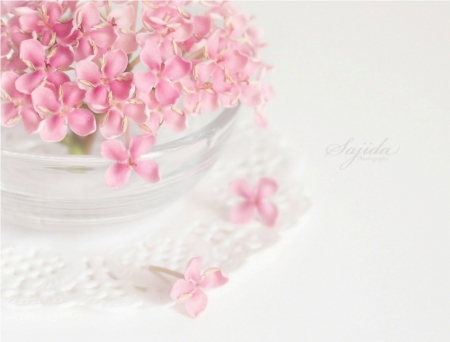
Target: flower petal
[268,212]
[62,30]
[191,103]
[54,129]
[151,56]
[126,41]
[196,304]
[54,11]
[72,94]
[62,58]
[123,17]
[87,70]
[136,112]
[260,120]
[82,122]
[180,288]
[116,62]
[193,270]
[213,278]
[202,25]
[148,170]
[242,188]
[233,61]
[141,144]
[175,121]
[176,68]
[57,78]
[29,22]
[117,175]
[87,16]
[266,187]
[242,213]
[98,97]
[145,81]
[114,150]
[32,51]
[210,102]
[112,124]
[250,95]
[166,93]
[204,71]
[10,114]
[45,101]
[183,32]
[8,80]
[121,89]
[31,121]
[84,49]
[28,82]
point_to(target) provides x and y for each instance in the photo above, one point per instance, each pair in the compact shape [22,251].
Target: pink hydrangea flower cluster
[68,67]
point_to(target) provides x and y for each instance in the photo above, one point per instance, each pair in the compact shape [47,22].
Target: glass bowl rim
[223,119]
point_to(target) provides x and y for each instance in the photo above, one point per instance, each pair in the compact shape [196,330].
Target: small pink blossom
[168,21]
[45,66]
[110,77]
[129,159]
[191,289]
[162,75]
[46,22]
[255,201]
[17,106]
[61,110]
[90,35]
[122,20]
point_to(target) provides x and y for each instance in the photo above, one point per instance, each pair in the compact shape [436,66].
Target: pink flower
[12,35]
[255,201]
[163,74]
[116,119]
[17,106]
[168,21]
[191,289]
[44,67]
[45,22]
[90,35]
[122,20]
[110,77]
[129,159]
[62,110]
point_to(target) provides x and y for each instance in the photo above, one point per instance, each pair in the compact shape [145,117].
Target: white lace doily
[109,269]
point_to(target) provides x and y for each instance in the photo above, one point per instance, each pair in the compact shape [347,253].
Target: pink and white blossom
[45,66]
[128,159]
[61,110]
[191,289]
[255,201]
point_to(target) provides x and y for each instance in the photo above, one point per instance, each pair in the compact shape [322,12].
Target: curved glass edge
[224,118]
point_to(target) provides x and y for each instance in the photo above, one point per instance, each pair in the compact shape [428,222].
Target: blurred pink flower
[255,201]
[191,289]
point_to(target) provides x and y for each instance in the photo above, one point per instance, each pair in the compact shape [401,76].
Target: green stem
[132,64]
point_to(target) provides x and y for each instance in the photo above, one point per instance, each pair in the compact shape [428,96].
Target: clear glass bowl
[68,192]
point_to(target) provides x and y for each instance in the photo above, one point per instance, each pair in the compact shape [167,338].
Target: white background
[370,261]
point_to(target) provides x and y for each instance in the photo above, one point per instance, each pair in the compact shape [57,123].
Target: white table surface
[370,261]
